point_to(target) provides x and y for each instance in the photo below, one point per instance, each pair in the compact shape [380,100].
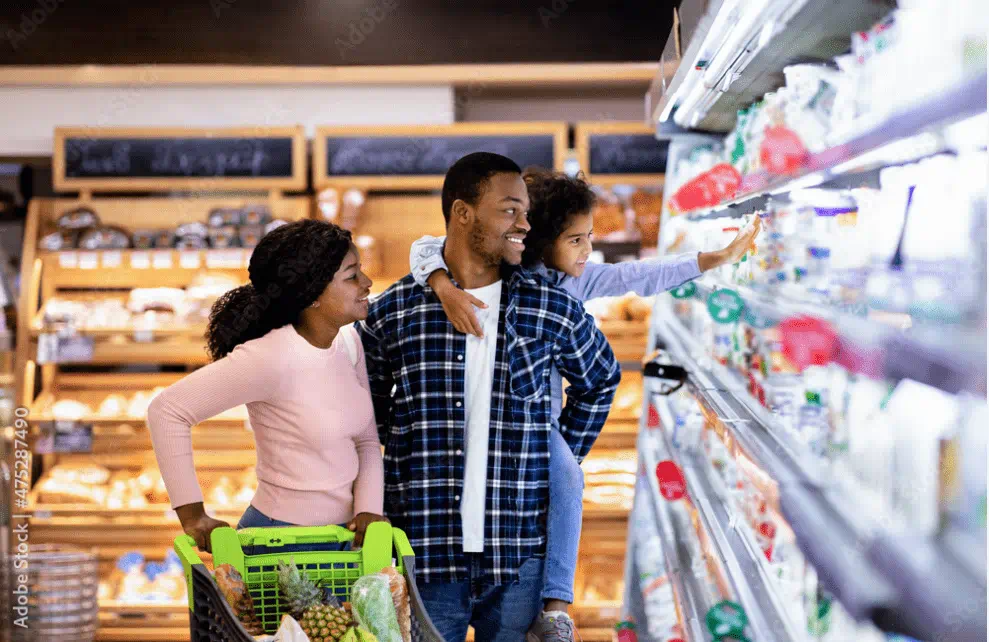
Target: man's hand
[360,523]
[458,305]
[198,525]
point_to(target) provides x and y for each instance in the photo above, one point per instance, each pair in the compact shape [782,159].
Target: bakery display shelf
[742,560]
[123,621]
[42,410]
[737,55]
[170,351]
[882,345]
[692,600]
[863,154]
[854,541]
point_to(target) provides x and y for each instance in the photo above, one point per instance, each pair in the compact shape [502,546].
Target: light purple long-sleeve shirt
[645,277]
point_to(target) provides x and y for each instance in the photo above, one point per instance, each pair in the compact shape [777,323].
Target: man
[465,420]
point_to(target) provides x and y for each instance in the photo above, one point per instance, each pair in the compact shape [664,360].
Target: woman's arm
[247,374]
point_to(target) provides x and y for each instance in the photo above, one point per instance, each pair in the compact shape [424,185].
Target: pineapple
[299,591]
[324,623]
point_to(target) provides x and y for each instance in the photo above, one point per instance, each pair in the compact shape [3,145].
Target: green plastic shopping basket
[212,620]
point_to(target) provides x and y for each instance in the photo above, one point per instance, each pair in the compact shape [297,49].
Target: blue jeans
[253,518]
[563,522]
[497,613]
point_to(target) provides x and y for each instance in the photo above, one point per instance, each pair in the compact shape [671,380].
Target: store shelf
[877,347]
[846,538]
[856,161]
[749,50]
[690,596]
[744,563]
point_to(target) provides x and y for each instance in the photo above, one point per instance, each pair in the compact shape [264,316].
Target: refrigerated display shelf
[689,594]
[872,572]
[745,62]
[743,562]
[876,347]
[855,161]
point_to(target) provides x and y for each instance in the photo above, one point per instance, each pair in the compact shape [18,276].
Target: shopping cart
[212,620]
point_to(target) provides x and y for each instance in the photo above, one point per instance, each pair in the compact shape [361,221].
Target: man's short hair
[465,180]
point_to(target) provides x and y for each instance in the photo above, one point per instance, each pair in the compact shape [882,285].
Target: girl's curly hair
[289,269]
[554,199]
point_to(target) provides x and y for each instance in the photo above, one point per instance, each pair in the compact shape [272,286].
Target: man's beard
[477,240]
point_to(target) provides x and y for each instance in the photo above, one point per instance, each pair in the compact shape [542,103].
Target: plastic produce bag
[374,609]
[400,597]
[289,631]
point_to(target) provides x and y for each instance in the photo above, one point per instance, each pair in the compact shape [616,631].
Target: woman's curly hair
[289,269]
[554,199]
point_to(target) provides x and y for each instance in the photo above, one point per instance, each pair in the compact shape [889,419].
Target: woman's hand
[198,525]
[360,523]
[457,304]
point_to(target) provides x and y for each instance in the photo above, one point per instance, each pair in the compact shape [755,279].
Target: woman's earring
[315,304]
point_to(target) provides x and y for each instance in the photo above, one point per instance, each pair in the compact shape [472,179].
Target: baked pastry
[609,218]
[224,216]
[256,214]
[104,238]
[224,237]
[78,219]
[61,240]
[250,235]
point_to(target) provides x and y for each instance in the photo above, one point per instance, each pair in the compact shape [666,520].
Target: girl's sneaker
[554,626]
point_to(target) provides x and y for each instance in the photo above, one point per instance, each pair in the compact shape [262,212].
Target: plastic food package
[79,218]
[104,238]
[224,237]
[374,607]
[400,597]
[224,216]
[62,240]
[256,215]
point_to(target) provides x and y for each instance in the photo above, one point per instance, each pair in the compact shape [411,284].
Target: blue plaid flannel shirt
[416,365]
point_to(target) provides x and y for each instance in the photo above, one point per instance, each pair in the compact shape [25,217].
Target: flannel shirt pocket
[529,360]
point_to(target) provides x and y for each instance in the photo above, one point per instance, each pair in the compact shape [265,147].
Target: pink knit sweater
[318,454]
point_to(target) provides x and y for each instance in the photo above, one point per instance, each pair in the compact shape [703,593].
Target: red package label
[652,420]
[672,485]
[782,151]
[808,341]
[707,190]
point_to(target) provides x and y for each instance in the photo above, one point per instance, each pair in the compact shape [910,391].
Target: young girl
[557,248]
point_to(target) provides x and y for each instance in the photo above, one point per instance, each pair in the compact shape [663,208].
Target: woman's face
[569,252]
[345,298]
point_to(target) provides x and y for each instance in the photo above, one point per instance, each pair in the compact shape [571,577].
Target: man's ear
[461,212]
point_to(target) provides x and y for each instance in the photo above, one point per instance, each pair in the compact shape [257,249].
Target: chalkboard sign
[150,159]
[413,156]
[627,154]
[419,157]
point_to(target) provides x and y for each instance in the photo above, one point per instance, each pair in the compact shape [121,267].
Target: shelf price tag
[140,260]
[112,259]
[89,260]
[162,260]
[229,259]
[143,335]
[68,259]
[685,291]
[725,306]
[64,437]
[672,485]
[190,260]
[727,620]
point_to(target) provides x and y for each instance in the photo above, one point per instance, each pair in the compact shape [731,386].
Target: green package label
[725,306]
[726,619]
[685,291]
[819,620]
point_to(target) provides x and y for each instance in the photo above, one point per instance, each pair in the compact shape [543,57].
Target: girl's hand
[458,305]
[360,523]
[198,525]
[744,241]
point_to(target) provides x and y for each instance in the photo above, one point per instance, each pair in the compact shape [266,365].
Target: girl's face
[345,298]
[570,250]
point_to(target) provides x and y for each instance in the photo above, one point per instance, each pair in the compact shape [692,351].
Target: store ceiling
[320,32]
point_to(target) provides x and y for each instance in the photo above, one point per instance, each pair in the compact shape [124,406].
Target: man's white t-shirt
[478,387]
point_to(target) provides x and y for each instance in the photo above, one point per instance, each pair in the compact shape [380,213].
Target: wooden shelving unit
[127,360]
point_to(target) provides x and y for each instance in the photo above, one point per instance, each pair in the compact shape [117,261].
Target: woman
[283,346]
